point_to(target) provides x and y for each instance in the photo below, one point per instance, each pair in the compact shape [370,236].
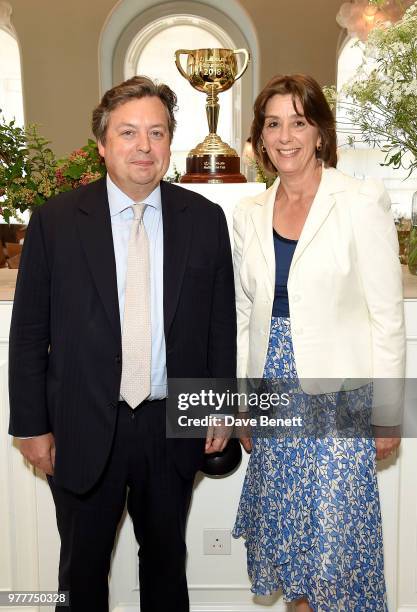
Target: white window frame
[127,19]
[7,27]
[143,37]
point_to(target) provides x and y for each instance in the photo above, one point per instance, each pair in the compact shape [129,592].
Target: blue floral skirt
[309,509]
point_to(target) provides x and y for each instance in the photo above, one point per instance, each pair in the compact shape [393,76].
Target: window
[11,101]
[152,53]
[350,58]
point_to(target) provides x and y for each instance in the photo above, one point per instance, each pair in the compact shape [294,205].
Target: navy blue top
[284,251]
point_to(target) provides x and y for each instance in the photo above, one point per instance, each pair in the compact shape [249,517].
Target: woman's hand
[246,442]
[387,440]
[243,432]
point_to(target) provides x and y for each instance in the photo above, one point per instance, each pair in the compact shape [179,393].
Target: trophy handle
[178,61]
[245,63]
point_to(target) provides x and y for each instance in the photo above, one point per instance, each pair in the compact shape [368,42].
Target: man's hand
[40,452]
[387,440]
[217,438]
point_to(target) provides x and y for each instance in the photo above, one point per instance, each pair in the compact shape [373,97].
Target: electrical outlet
[217,542]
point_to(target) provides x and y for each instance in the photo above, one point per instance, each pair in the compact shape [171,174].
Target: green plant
[412,253]
[27,169]
[262,176]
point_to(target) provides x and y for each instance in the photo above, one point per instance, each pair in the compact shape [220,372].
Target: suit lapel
[95,232]
[177,236]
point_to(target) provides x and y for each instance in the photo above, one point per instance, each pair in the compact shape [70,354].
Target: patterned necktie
[136,336]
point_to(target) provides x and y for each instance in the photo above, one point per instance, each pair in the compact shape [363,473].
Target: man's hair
[133,89]
[305,90]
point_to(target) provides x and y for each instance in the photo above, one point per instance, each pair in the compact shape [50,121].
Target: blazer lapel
[262,218]
[323,203]
[177,227]
[95,232]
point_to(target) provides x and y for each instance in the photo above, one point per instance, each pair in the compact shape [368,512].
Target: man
[122,283]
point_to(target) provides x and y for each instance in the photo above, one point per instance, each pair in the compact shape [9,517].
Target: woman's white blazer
[344,290]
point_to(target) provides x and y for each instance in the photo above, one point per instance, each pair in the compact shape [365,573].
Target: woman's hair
[135,88]
[305,90]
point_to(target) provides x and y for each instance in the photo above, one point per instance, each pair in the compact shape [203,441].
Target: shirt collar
[119,201]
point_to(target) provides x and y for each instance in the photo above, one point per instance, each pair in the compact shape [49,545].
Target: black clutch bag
[220,464]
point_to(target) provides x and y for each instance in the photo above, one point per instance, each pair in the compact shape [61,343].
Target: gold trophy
[212,71]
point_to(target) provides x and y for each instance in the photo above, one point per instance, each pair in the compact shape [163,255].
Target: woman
[319,299]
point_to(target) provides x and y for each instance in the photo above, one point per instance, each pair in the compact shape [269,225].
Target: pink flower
[89,177]
[60,179]
[77,154]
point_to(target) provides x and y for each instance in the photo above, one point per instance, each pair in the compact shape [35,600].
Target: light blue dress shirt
[121,215]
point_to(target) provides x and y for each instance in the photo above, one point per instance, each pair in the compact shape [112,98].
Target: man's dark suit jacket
[65,339]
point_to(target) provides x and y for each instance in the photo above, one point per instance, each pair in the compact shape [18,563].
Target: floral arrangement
[382,102]
[30,172]
[81,167]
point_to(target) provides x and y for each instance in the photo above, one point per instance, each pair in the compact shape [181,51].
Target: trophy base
[213,169]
